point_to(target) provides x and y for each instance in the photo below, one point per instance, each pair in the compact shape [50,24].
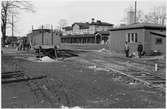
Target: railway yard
[86,79]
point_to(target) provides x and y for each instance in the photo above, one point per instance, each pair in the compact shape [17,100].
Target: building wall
[158,47]
[91,30]
[103,28]
[117,39]
[67,32]
[76,29]
[147,41]
[150,42]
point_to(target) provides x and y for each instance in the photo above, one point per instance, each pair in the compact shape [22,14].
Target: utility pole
[31,37]
[32,27]
[12,27]
[42,36]
[135,10]
[52,34]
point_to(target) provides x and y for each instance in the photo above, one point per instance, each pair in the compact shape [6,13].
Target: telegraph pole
[12,27]
[52,34]
[42,35]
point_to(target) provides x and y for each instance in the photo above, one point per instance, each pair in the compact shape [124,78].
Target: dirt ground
[80,81]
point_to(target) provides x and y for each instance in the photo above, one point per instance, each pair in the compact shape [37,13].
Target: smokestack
[135,11]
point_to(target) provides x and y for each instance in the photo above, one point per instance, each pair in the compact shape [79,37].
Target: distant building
[43,37]
[152,36]
[11,40]
[93,32]
[131,16]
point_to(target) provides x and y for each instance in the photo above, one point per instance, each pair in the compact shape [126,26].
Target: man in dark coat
[55,51]
[140,49]
[126,49]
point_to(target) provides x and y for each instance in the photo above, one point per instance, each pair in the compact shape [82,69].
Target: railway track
[150,63]
[46,92]
[132,76]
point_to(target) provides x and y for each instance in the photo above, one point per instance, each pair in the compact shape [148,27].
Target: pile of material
[46,59]
[103,50]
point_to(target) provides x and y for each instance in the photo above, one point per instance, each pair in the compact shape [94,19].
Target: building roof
[139,26]
[162,34]
[67,28]
[86,25]
[82,25]
[82,35]
[100,23]
[102,32]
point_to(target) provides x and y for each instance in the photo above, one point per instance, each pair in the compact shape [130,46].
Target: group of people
[139,49]
[23,45]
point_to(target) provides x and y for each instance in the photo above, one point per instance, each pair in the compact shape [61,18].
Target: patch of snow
[101,50]
[46,59]
[92,67]
[65,107]
[97,68]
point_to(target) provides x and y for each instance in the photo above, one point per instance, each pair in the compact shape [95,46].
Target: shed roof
[140,26]
[162,34]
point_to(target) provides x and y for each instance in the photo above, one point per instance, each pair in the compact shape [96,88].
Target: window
[128,37]
[158,41]
[132,37]
[136,37]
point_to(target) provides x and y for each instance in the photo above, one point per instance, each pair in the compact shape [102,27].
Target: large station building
[94,32]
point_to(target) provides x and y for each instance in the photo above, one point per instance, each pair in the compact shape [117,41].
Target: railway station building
[83,33]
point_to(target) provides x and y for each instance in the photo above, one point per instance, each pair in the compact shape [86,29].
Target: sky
[52,11]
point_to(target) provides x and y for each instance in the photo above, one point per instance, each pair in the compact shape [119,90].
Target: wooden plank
[5,81]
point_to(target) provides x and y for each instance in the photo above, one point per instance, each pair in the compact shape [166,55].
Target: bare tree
[12,8]
[157,16]
[62,23]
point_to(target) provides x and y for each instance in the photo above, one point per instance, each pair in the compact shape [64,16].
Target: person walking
[140,49]
[126,49]
[55,51]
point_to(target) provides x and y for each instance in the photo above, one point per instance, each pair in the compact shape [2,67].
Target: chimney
[93,20]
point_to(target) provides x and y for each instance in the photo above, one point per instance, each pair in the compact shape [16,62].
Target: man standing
[140,49]
[55,51]
[126,49]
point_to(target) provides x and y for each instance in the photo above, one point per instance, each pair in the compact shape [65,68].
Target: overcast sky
[51,11]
